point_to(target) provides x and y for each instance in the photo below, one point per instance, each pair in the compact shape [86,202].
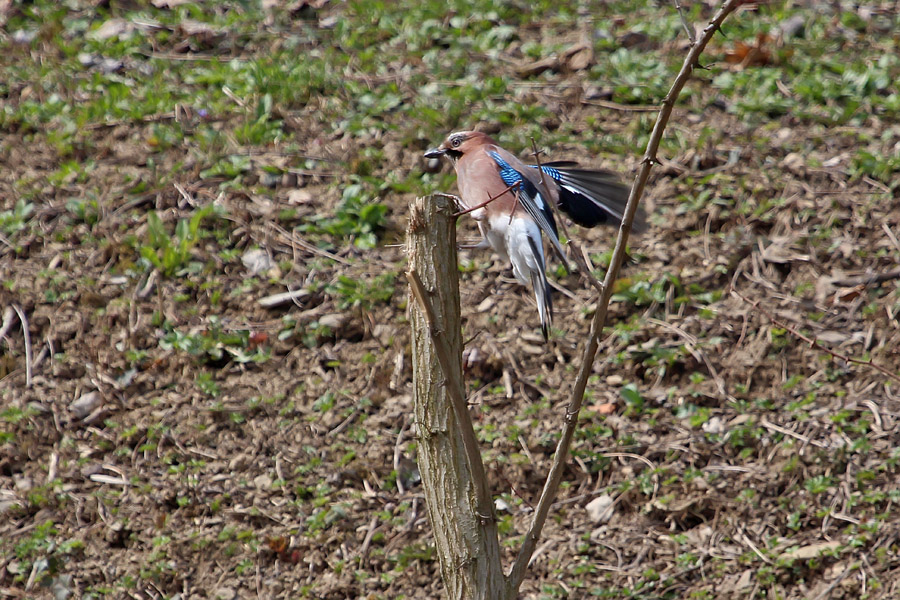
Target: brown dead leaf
[751,55]
[604,408]
[579,57]
[847,294]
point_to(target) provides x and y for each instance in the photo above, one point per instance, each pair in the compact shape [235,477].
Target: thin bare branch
[490,199]
[684,22]
[517,573]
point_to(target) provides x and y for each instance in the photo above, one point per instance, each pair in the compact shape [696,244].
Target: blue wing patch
[511,177]
[553,173]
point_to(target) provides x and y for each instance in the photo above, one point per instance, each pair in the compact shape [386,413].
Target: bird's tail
[591,197]
[541,288]
[544,301]
[526,253]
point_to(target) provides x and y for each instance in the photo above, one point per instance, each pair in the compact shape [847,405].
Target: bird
[510,201]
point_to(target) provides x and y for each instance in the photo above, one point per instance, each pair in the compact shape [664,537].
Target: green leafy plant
[171,254]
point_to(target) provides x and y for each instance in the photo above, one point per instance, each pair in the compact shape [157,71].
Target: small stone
[257,261]
[289,180]
[86,59]
[601,508]
[85,405]
[270,180]
[384,334]
[23,483]
[24,36]
[225,593]
[113,28]
[714,426]
[592,92]
[262,482]
[486,304]
[333,321]
[301,196]
[794,163]
[61,587]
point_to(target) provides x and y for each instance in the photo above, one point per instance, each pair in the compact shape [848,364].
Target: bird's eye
[455,142]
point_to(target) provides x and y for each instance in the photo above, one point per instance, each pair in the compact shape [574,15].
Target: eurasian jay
[513,221]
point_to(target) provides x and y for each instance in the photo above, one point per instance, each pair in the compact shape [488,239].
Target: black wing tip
[596,197]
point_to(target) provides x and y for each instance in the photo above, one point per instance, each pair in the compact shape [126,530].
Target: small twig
[193,57]
[814,343]
[684,21]
[643,459]
[875,413]
[769,425]
[184,194]
[490,199]
[293,241]
[370,533]
[753,547]
[891,236]
[27,335]
[554,477]
[867,279]
[826,593]
[457,400]
[620,107]
[344,424]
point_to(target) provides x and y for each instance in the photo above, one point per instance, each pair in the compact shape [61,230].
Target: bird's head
[457,144]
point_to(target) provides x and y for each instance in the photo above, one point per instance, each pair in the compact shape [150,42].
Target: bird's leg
[485,203]
[481,244]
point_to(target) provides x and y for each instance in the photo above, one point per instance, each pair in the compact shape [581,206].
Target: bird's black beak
[435,153]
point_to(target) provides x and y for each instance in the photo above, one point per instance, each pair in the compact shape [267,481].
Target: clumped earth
[168,165]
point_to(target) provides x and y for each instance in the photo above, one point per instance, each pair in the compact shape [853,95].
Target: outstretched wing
[589,197]
[531,200]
